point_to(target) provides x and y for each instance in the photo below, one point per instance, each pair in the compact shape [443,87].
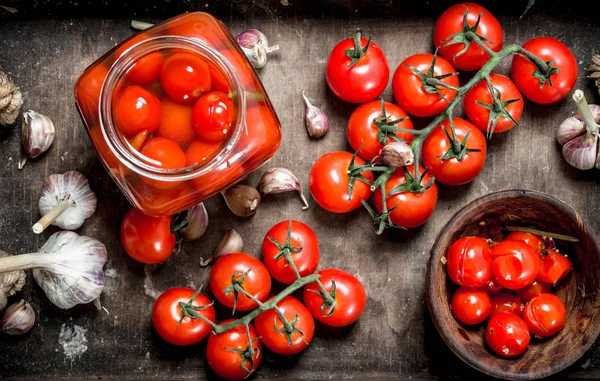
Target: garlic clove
[37,135]
[397,154]
[66,201]
[242,200]
[10,283]
[18,319]
[197,223]
[255,46]
[315,119]
[231,242]
[280,180]
[581,152]
[569,129]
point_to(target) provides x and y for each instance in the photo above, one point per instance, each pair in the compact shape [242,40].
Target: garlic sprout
[66,202]
[10,282]
[68,267]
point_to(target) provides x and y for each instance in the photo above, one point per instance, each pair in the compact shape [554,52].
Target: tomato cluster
[239,281]
[509,284]
[451,150]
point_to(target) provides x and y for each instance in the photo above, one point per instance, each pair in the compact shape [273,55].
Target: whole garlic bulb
[255,46]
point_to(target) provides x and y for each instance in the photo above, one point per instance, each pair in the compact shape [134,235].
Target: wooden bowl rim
[570,358]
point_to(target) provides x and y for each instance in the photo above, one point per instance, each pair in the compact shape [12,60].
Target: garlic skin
[397,154]
[280,180]
[37,135]
[315,119]
[231,242]
[10,283]
[197,223]
[255,46]
[68,196]
[569,129]
[242,200]
[18,319]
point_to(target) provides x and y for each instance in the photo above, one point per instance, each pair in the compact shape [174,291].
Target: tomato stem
[542,233]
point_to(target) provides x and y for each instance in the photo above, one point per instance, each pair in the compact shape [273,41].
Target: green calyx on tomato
[355,173]
[358,52]
[432,83]
[329,302]
[497,108]
[544,73]
[466,36]
[289,327]
[237,286]
[286,249]
[386,128]
[247,353]
[457,148]
[190,310]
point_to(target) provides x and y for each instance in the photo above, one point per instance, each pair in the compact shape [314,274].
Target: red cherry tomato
[362,81]
[515,264]
[507,334]
[469,263]
[176,123]
[470,305]
[492,288]
[408,87]
[554,267]
[184,77]
[218,81]
[409,209]
[223,358]
[452,22]
[256,281]
[269,327]
[147,239]
[136,110]
[536,288]
[545,315]
[505,302]
[328,182]
[364,135]
[146,69]
[201,151]
[213,115]
[453,171]
[350,298]
[176,324]
[303,245]
[88,87]
[490,117]
[560,82]
[165,153]
[531,239]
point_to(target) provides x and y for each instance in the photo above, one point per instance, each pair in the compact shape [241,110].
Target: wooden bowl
[487,217]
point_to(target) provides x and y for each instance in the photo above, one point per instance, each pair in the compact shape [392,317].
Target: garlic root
[49,218]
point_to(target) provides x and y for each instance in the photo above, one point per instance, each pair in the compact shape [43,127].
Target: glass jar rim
[116,141]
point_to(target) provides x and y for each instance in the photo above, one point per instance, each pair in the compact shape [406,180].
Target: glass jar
[253,133]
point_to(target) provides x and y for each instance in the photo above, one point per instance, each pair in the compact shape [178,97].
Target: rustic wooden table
[45,46]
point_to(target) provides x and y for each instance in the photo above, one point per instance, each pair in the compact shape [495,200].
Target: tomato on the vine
[239,270]
[212,116]
[453,35]
[414,89]
[136,110]
[297,239]
[458,159]
[146,69]
[515,264]
[470,305]
[333,188]
[536,288]
[346,300]
[175,316]
[469,263]
[184,77]
[231,355]
[147,239]
[554,267]
[407,208]
[545,315]
[372,125]
[555,81]
[507,334]
[176,122]
[357,70]
[494,107]
[290,338]
[505,302]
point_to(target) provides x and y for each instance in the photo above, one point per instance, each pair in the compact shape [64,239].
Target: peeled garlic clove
[255,46]
[315,119]
[569,129]
[66,201]
[231,242]
[397,154]
[197,219]
[37,135]
[280,180]
[242,200]
[581,151]
[18,319]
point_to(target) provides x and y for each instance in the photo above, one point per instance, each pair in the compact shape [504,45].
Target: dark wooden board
[46,45]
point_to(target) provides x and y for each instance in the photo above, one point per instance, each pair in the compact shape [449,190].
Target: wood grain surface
[47,44]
